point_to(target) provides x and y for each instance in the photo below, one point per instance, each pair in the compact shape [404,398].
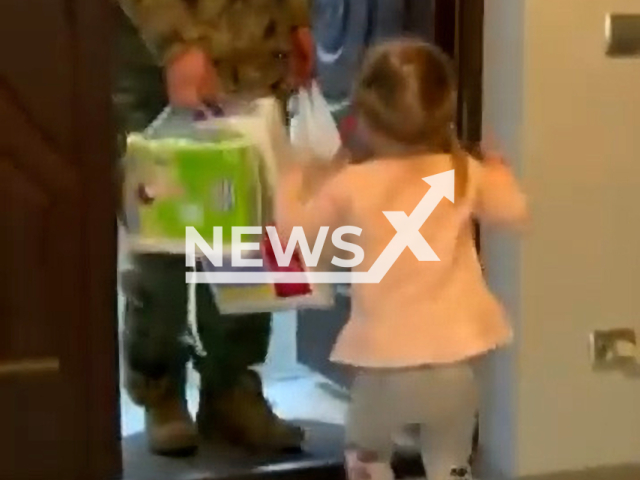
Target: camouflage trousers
[156,324]
[156,327]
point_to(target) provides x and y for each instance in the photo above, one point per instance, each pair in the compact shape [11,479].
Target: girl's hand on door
[494,159]
[490,152]
[496,169]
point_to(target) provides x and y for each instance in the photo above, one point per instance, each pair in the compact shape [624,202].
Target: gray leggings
[441,400]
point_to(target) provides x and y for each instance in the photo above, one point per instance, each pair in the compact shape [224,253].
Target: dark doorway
[58,347]
[455,26]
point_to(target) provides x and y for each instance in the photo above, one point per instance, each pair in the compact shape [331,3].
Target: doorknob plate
[622,33]
[605,347]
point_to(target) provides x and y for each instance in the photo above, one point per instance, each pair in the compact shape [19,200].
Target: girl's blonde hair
[407,92]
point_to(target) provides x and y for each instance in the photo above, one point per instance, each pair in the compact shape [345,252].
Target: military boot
[155,357]
[168,425]
[242,416]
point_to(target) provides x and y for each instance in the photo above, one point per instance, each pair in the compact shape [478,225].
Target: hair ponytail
[460,160]
[450,144]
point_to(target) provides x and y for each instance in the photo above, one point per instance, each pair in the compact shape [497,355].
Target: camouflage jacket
[248,40]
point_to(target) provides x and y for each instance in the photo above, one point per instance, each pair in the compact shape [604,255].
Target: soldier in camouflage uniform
[206,50]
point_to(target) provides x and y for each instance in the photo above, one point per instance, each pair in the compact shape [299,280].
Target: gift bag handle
[208,111]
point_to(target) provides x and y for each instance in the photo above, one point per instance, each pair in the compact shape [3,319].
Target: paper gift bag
[285,290]
[255,298]
[241,298]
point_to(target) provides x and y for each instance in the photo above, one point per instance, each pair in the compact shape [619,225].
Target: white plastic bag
[313,128]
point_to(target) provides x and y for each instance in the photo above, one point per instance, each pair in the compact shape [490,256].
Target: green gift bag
[179,177]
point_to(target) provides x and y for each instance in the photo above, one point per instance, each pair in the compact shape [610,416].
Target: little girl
[412,338]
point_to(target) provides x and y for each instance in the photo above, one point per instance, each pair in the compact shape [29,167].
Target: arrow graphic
[408,229]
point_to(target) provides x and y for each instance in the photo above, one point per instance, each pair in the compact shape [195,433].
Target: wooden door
[58,362]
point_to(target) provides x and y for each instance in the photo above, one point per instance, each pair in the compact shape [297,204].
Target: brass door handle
[36,366]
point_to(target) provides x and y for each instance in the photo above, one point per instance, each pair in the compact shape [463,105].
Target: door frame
[457,27]
[93,38]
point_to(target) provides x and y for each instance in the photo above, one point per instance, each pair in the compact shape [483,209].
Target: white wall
[569,119]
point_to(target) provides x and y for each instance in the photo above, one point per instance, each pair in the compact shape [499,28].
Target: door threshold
[321,459]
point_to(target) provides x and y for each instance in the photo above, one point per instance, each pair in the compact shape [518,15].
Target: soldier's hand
[191,79]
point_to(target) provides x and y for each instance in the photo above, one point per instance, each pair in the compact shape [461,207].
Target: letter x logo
[408,227]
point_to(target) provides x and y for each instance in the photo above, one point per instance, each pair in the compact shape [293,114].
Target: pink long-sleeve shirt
[428,312]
